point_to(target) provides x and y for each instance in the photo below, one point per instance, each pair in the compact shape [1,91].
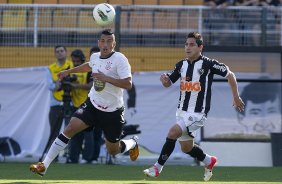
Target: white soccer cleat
[208,169]
[152,171]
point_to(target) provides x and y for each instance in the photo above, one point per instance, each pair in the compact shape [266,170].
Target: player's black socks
[197,153]
[168,148]
[63,138]
[123,146]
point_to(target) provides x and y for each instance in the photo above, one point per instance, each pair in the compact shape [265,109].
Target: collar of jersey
[199,58]
[108,56]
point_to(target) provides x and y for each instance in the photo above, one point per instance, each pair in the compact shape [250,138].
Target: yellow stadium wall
[141,59]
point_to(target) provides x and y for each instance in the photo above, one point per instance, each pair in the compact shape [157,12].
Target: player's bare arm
[79,69]
[237,101]
[165,80]
[122,83]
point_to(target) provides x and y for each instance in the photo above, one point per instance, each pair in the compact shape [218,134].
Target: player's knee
[174,133]
[186,148]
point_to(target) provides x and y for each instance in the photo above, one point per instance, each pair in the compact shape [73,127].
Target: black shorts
[110,122]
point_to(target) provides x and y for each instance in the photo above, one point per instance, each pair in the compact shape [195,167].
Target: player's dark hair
[107,32]
[94,49]
[78,53]
[57,46]
[197,36]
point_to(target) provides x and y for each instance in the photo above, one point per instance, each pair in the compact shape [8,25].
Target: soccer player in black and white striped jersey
[196,75]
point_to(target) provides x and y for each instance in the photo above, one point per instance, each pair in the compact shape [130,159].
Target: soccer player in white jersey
[104,108]
[196,74]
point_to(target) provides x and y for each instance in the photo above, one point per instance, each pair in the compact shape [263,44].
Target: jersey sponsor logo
[99,85]
[190,86]
[221,68]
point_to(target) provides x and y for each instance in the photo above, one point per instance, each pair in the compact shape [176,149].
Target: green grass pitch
[18,173]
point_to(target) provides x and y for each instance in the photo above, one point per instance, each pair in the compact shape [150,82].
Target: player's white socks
[160,167]
[129,144]
[207,160]
[54,151]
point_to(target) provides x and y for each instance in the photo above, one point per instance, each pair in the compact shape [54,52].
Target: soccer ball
[104,14]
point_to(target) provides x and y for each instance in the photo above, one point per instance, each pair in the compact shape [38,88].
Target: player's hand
[100,76]
[238,104]
[165,80]
[62,74]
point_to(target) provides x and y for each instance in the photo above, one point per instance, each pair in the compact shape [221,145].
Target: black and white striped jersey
[195,82]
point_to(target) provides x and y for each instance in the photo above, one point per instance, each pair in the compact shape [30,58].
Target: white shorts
[189,122]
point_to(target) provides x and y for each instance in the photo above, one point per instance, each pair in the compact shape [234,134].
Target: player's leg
[76,125]
[174,133]
[112,126]
[196,152]
[193,123]
[121,146]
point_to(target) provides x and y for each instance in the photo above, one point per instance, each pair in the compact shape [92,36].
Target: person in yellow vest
[79,93]
[56,113]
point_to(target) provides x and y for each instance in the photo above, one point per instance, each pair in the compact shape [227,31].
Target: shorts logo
[84,106]
[190,86]
[190,118]
[79,111]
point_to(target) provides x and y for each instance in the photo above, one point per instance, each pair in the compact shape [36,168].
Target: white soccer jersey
[105,96]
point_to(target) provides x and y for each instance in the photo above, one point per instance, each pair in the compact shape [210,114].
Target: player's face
[192,50]
[263,117]
[106,44]
[60,54]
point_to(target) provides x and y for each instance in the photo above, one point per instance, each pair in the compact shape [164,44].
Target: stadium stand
[146,2]
[85,20]
[94,1]
[65,19]
[144,20]
[70,1]
[20,1]
[45,1]
[115,2]
[193,2]
[14,19]
[168,2]
[124,2]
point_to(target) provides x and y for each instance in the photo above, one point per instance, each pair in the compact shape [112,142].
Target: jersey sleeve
[219,68]
[175,74]
[123,68]
[91,60]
